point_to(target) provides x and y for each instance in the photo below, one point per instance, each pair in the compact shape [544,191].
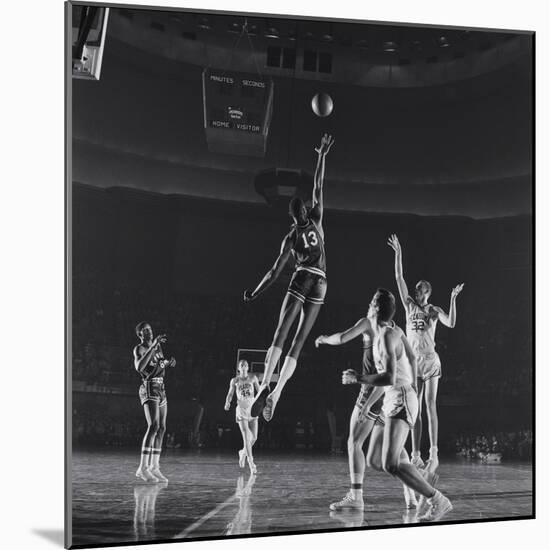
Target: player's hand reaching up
[160,339]
[319,340]
[248,296]
[394,243]
[227,405]
[349,377]
[457,290]
[172,362]
[327,142]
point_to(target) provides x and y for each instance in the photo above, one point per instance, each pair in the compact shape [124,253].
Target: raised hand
[327,142]
[247,296]
[160,339]
[394,243]
[349,377]
[227,405]
[457,290]
[172,362]
[319,340]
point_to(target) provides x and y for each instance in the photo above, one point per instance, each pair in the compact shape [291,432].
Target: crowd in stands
[103,338]
[494,447]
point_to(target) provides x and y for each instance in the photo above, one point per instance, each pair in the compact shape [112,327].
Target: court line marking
[205,518]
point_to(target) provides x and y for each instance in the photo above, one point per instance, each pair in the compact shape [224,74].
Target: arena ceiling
[416,109]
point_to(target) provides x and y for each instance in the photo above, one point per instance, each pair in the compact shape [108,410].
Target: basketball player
[422,318]
[306,293]
[150,363]
[365,415]
[395,363]
[245,384]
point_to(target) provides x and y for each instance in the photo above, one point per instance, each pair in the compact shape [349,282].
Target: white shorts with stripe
[401,402]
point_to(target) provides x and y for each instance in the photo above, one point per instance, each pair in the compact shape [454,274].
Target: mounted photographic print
[299,274]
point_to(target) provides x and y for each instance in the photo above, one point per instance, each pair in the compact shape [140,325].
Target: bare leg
[151,411]
[417,430]
[396,432]
[374,452]
[289,310]
[374,460]
[253,427]
[359,429]
[247,440]
[307,319]
[433,424]
[157,448]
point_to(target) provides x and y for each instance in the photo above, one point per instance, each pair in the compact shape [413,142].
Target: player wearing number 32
[307,289]
[422,318]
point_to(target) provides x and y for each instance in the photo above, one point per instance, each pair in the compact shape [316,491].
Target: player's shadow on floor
[53,535]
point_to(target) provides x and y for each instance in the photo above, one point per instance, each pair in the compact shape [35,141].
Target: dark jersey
[309,248]
[156,367]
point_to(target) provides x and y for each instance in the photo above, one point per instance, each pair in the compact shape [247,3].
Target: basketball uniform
[245,398]
[152,380]
[421,325]
[367,408]
[400,399]
[309,282]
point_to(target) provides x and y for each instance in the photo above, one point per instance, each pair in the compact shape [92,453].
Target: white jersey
[244,388]
[421,325]
[403,369]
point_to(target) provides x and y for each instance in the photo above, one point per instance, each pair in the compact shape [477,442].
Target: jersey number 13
[310,240]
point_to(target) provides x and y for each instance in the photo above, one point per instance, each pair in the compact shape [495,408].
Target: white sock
[287,370]
[155,457]
[271,359]
[416,454]
[145,454]
[433,451]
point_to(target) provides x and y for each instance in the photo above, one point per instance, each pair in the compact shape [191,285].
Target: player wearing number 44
[307,289]
[422,318]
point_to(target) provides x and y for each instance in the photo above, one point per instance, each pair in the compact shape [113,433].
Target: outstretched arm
[394,243]
[230,393]
[318,180]
[449,320]
[274,272]
[339,338]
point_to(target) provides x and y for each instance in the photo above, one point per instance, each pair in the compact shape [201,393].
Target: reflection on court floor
[209,496]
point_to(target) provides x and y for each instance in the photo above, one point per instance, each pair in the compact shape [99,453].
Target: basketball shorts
[370,410]
[243,411]
[151,390]
[428,365]
[402,403]
[308,287]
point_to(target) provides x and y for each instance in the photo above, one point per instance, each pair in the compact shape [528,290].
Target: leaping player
[422,318]
[306,293]
[395,363]
[366,414]
[150,363]
[244,384]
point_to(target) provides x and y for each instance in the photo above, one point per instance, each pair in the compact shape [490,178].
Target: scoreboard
[237,112]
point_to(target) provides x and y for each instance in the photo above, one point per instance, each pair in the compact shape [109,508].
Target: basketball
[322,104]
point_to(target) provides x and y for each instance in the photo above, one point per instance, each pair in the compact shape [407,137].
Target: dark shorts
[152,391]
[308,287]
